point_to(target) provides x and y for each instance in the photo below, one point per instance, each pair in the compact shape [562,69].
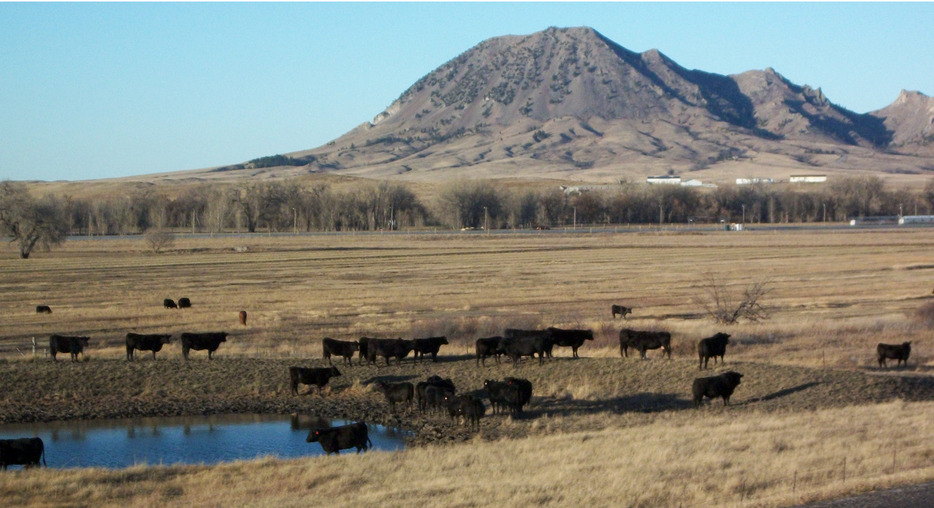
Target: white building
[670,180]
[808,178]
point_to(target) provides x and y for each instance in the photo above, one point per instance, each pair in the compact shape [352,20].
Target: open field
[622,431]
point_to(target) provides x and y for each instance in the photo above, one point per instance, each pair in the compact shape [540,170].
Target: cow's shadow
[389,378]
[637,403]
[782,393]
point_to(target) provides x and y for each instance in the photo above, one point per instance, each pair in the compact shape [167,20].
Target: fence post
[844,469]
[794,485]
[33,348]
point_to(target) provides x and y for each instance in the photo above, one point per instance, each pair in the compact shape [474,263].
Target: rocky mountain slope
[571,104]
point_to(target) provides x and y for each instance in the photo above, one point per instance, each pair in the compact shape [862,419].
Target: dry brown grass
[835,295]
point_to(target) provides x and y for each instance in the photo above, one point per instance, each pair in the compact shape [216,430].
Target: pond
[184,440]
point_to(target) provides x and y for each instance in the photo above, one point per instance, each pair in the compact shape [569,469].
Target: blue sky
[117,89]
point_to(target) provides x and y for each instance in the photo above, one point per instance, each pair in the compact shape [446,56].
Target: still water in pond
[186,440]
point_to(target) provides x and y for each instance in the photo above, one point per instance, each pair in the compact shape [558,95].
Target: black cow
[43,309]
[388,348]
[619,310]
[716,386]
[430,393]
[712,347]
[466,406]
[146,342]
[169,303]
[184,303]
[898,352]
[66,344]
[335,439]
[396,392]
[429,346]
[25,451]
[570,338]
[641,341]
[201,341]
[503,395]
[318,376]
[488,346]
[525,390]
[516,348]
[345,348]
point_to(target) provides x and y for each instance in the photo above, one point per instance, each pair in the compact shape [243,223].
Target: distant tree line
[288,205]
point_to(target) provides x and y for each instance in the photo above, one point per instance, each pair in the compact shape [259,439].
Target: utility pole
[486,216]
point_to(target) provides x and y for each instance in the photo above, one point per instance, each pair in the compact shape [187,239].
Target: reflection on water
[184,439]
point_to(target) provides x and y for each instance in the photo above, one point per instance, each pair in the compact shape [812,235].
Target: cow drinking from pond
[335,439]
[25,451]
[201,341]
[145,342]
[897,352]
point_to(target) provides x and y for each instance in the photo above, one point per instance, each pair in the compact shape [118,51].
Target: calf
[898,352]
[570,338]
[716,386]
[145,342]
[169,303]
[335,439]
[66,344]
[430,345]
[396,392]
[43,309]
[25,451]
[466,406]
[712,347]
[242,316]
[619,310]
[487,346]
[311,376]
[343,348]
[430,394]
[643,341]
[201,341]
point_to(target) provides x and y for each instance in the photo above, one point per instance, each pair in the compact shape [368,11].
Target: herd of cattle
[434,394]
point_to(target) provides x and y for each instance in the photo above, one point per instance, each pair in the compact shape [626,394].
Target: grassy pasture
[834,295]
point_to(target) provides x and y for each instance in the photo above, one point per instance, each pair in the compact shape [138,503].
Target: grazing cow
[619,310]
[345,348]
[545,336]
[516,348]
[318,376]
[716,386]
[712,347]
[396,392]
[335,439]
[242,316]
[429,345]
[25,451]
[466,406]
[169,303]
[184,303]
[145,342]
[388,348]
[201,341]
[570,338]
[642,341]
[898,352]
[43,309]
[488,346]
[66,344]
[525,390]
[503,395]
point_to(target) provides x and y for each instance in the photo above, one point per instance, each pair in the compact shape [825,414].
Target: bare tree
[31,222]
[727,306]
[159,240]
